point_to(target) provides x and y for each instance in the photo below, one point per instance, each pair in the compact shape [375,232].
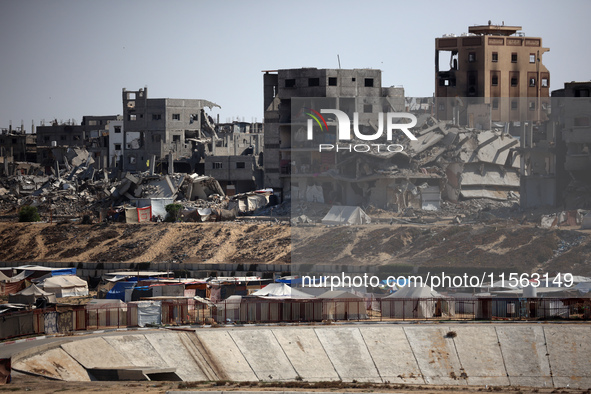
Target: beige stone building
[493,65]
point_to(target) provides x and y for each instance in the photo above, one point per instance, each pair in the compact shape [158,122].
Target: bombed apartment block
[174,131]
[236,157]
[17,146]
[356,90]
[92,134]
[491,62]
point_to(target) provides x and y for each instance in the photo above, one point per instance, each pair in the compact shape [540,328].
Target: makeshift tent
[11,285]
[30,296]
[280,290]
[148,312]
[229,309]
[65,286]
[118,291]
[342,305]
[37,271]
[345,215]
[301,219]
[416,302]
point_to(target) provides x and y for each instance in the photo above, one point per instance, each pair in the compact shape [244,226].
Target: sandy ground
[226,242]
[502,245]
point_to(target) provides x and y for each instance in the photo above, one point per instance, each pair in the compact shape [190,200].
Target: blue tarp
[299,281]
[400,282]
[64,271]
[118,291]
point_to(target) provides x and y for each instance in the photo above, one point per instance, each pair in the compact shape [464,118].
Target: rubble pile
[75,188]
[471,163]
[283,209]
[446,162]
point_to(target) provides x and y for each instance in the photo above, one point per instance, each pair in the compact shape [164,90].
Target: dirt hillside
[225,242]
[506,246]
[501,247]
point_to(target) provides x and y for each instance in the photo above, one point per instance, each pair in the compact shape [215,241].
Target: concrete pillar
[152,164]
[170,164]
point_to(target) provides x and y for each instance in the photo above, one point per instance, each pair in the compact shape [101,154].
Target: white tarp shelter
[148,312]
[345,215]
[342,305]
[65,286]
[416,302]
[280,290]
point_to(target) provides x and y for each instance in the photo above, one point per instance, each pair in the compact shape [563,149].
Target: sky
[63,59]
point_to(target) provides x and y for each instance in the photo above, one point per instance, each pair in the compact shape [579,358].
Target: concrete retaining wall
[551,355]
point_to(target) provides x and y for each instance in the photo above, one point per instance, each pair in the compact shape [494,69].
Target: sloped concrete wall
[543,355]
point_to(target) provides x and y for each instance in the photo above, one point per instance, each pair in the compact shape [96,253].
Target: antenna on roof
[339,59]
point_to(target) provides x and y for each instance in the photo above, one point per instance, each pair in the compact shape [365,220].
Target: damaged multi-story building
[172,132]
[493,69]
[571,126]
[356,90]
[18,145]
[236,157]
[445,161]
[54,140]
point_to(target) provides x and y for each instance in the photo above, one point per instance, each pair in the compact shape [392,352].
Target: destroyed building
[116,145]
[446,161]
[357,90]
[92,134]
[486,64]
[172,131]
[236,157]
[17,146]
[571,118]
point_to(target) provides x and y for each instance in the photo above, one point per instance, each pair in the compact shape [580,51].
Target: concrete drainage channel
[536,355]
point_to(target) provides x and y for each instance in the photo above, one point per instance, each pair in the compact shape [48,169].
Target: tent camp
[342,305]
[339,215]
[65,286]
[30,296]
[280,290]
[416,302]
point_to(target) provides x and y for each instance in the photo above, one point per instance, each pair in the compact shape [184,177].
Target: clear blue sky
[68,58]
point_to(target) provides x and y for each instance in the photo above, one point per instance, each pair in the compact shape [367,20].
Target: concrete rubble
[75,188]
[446,163]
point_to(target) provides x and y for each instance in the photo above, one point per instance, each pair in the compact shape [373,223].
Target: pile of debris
[471,163]
[75,187]
[446,162]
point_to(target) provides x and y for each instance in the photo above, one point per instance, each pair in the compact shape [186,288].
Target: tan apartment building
[493,65]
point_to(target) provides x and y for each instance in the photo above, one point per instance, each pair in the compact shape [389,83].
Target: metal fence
[256,310]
